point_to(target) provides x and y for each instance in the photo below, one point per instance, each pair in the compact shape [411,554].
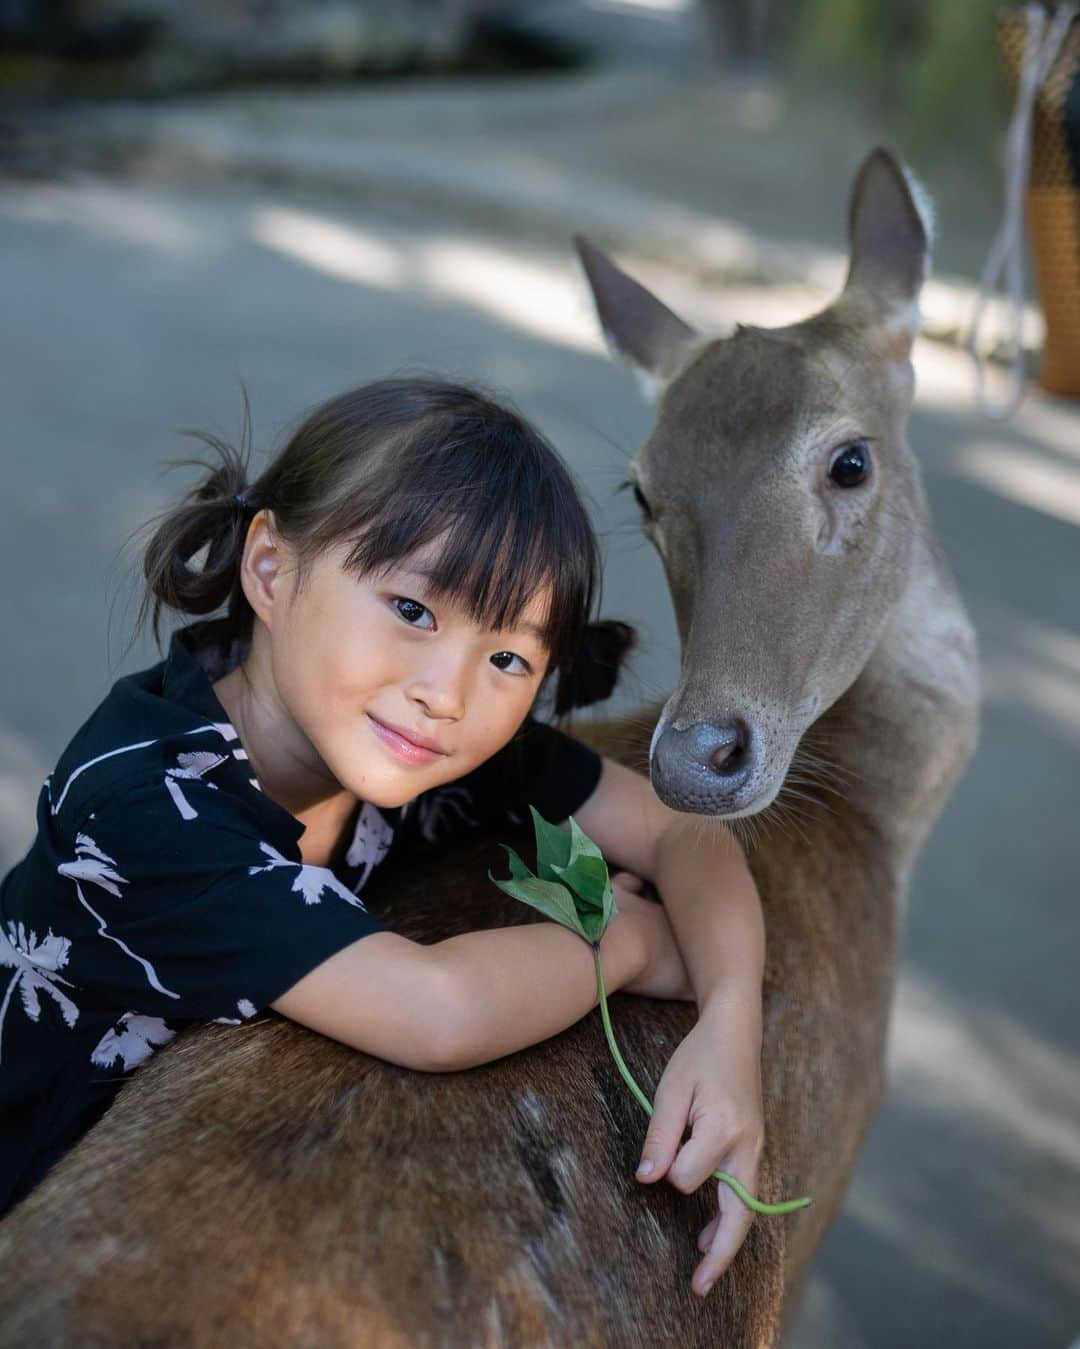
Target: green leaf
[593,923]
[551,899]
[552,845]
[610,909]
[587,873]
[573,886]
[587,877]
[519,871]
[581,845]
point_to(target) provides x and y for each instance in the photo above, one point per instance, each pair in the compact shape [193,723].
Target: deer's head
[782,496]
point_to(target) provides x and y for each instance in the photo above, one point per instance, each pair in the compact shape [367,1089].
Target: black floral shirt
[165,889]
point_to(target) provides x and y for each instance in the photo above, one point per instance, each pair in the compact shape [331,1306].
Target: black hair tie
[595,669]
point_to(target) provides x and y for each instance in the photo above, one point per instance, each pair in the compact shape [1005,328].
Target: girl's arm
[714,908]
[525,984]
[712,1082]
[471,998]
[701,874]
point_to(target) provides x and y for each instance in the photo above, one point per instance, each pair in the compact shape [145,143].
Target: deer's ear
[891,229]
[637,326]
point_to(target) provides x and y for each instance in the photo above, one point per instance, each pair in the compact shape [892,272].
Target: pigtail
[596,666]
[212,518]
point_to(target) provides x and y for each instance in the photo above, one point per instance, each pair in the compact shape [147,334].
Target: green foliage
[957,81]
[844,37]
[572,886]
[931,69]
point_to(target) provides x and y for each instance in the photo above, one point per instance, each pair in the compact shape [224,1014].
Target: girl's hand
[663,974]
[712,1084]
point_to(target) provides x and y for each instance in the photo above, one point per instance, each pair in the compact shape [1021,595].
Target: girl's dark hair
[388,467]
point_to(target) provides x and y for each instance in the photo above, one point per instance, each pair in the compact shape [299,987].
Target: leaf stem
[787,1206]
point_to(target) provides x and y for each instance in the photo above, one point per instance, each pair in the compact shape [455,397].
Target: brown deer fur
[263,1186]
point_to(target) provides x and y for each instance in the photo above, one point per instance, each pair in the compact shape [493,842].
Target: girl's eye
[527,670]
[408,609]
[413,605]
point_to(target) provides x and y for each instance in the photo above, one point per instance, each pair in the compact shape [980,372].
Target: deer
[264,1186]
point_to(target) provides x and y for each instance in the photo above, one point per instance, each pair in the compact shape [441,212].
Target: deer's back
[263,1185]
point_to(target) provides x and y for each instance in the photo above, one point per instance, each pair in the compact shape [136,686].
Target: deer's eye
[639,497]
[850,465]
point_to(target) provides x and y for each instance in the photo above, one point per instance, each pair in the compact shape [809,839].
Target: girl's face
[353,655]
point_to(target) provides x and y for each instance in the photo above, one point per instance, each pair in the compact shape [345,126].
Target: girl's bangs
[491,561]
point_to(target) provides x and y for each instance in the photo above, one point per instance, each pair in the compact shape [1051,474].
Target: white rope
[1006,254]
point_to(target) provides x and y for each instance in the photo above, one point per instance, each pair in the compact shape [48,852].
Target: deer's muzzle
[705,767]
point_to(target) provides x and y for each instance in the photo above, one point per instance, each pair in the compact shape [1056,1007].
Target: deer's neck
[906,728]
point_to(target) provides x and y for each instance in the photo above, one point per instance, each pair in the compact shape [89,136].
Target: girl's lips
[404,749]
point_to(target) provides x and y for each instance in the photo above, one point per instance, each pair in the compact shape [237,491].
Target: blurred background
[306,196]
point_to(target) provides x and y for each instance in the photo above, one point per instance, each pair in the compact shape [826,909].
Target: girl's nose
[442,691]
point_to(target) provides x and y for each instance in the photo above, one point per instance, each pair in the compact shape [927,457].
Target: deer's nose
[727,747]
[713,755]
[722,748]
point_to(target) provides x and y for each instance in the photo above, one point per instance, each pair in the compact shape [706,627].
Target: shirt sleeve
[541,766]
[198,916]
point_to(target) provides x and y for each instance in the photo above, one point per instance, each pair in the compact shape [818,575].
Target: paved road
[129,312]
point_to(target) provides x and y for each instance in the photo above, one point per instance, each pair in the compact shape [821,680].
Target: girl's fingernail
[645,1169]
[707,1289]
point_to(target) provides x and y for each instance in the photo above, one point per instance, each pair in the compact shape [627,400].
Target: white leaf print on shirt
[371,842]
[35,964]
[92,864]
[244,1007]
[223,728]
[441,805]
[310,881]
[132,1040]
[192,766]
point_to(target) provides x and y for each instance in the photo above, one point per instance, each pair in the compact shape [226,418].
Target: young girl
[399,584]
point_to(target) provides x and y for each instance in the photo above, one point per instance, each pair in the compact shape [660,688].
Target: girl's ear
[594,672]
[263,565]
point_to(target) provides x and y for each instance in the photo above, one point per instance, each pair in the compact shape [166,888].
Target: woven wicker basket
[1053,198]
